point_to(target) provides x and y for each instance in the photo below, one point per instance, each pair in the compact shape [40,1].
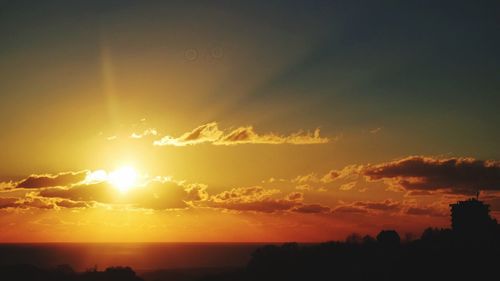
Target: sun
[123,178]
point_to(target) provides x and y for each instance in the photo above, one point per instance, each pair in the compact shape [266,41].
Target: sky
[244,121]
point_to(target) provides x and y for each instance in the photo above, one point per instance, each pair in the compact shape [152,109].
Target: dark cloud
[61,179]
[454,175]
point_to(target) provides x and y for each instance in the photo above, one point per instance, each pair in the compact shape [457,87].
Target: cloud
[426,211]
[420,193]
[312,209]
[309,178]
[350,172]
[156,194]
[295,196]
[349,209]
[255,198]
[196,192]
[61,179]
[7,185]
[369,207]
[210,133]
[101,192]
[145,133]
[386,205]
[245,194]
[259,199]
[70,204]
[452,175]
[205,133]
[8,202]
[305,187]
[246,135]
[264,206]
[32,200]
[347,186]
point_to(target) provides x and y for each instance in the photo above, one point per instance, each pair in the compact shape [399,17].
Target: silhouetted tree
[64,269]
[470,219]
[118,273]
[354,238]
[388,238]
[369,240]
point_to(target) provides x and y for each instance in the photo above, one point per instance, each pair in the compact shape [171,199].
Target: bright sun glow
[123,178]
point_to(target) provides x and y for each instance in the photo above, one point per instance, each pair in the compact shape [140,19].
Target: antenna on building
[477,194]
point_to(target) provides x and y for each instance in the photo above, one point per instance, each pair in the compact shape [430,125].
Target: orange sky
[128,205]
[243,121]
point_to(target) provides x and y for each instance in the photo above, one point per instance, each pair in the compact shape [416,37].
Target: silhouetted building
[471,217]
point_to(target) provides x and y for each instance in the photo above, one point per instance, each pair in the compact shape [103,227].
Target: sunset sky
[209,121]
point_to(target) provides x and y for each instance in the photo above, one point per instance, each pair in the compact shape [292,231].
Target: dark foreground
[470,250]
[438,255]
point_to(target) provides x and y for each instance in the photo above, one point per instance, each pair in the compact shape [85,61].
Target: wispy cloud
[210,133]
[145,133]
[312,209]
[387,205]
[202,134]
